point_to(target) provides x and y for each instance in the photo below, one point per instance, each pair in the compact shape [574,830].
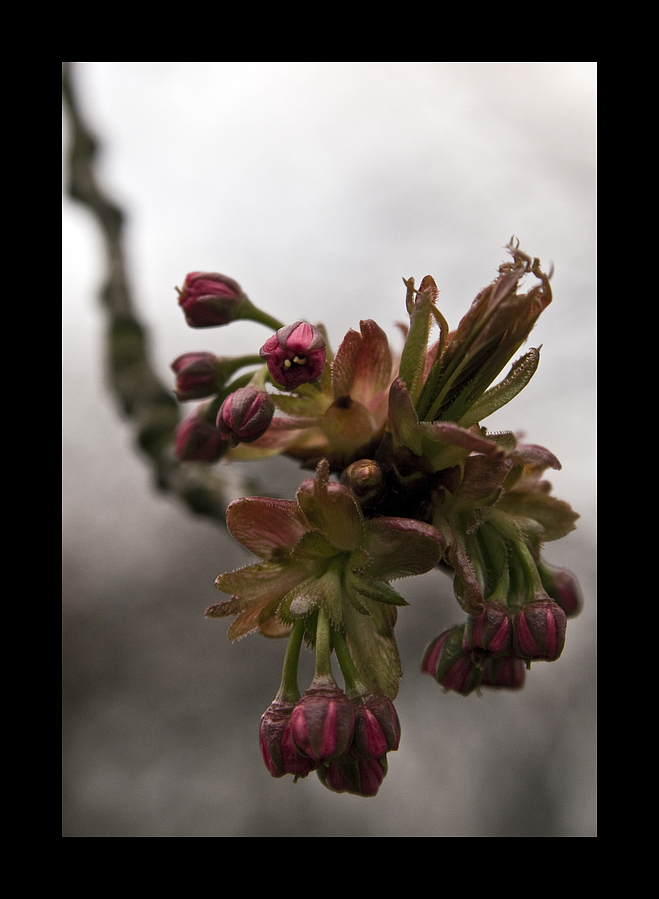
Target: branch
[147,404]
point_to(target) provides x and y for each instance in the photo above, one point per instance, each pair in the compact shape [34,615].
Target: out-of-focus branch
[149,406]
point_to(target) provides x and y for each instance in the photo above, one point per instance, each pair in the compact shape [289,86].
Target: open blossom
[344,421]
[295,355]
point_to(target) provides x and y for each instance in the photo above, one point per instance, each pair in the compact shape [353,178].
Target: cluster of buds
[343,736]
[345,741]
[407,479]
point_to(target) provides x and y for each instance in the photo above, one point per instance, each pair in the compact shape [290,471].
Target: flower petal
[401,547]
[363,363]
[269,528]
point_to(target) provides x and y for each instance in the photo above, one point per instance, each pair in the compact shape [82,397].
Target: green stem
[353,682]
[496,561]
[252,313]
[323,674]
[525,561]
[288,690]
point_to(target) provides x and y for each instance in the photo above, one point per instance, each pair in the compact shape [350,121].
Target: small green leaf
[515,381]
[416,344]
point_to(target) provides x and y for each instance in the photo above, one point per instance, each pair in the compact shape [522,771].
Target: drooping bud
[322,723]
[209,299]
[351,774]
[450,665]
[563,587]
[506,672]
[377,728]
[245,415]
[197,439]
[197,375]
[295,355]
[279,752]
[539,631]
[491,631]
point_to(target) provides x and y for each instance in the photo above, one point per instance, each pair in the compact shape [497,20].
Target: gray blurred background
[318,186]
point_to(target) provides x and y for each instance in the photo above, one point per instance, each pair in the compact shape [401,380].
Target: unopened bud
[279,752]
[506,672]
[245,415]
[209,299]
[450,665]
[196,375]
[350,774]
[322,723]
[563,587]
[491,631]
[377,728]
[197,439]
[539,631]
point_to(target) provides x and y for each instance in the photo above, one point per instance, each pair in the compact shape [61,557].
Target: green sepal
[380,591]
[323,592]
[372,646]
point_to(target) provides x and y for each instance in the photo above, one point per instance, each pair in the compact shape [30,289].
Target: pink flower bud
[196,375]
[539,631]
[563,587]
[350,774]
[377,728]
[279,752]
[209,299]
[197,439]
[295,355]
[245,415]
[322,723]
[508,672]
[450,665]
[491,631]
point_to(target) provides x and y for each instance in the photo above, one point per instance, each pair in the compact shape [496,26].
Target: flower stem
[249,311]
[323,674]
[525,566]
[288,690]
[354,684]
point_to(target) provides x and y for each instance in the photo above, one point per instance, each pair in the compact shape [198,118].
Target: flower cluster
[407,479]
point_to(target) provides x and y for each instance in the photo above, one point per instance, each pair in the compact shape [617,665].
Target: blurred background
[318,186]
